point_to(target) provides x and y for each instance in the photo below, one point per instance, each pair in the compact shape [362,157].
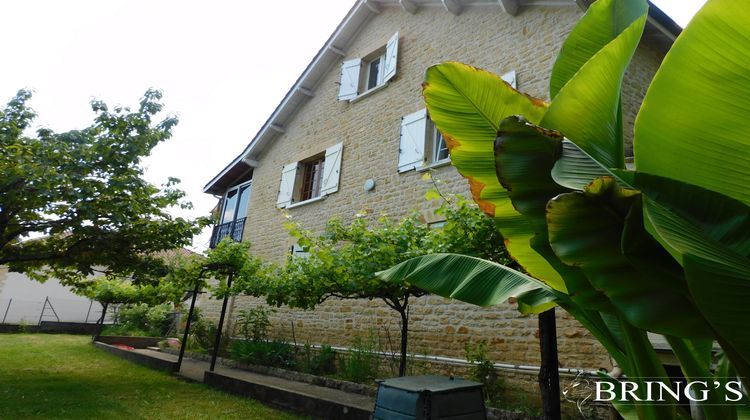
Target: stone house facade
[352,135]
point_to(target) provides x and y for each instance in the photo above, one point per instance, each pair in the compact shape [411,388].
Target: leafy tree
[661,249]
[342,262]
[74,204]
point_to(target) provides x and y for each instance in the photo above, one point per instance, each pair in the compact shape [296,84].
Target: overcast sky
[223,66]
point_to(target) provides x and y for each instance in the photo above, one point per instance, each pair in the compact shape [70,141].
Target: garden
[558,219]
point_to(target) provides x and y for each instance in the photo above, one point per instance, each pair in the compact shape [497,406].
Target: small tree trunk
[549,376]
[100,323]
[404,342]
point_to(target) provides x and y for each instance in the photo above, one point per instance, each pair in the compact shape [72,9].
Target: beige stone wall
[485,37]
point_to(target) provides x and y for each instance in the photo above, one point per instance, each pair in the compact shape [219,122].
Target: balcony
[232,229]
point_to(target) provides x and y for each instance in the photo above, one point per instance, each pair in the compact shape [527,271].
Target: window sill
[302,203]
[434,165]
[368,93]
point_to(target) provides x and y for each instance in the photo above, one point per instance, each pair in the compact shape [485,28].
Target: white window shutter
[413,134]
[332,169]
[510,77]
[286,188]
[349,79]
[299,252]
[391,58]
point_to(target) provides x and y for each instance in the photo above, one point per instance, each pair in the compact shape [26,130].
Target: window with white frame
[311,178]
[360,75]
[421,143]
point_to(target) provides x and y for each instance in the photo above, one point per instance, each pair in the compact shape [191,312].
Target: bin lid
[431,383]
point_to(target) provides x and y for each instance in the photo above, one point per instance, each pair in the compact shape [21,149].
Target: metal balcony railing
[232,229]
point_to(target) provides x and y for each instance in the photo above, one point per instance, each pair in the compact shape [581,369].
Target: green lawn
[64,376]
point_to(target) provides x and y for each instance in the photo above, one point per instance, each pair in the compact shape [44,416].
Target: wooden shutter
[510,77]
[413,134]
[286,188]
[349,79]
[298,252]
[332,169]
[391,58]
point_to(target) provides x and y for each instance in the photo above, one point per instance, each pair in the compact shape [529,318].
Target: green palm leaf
[467,105]
[472,280]
[587,108]
[693,125]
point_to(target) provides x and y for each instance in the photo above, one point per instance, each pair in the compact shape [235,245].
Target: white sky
[223,67]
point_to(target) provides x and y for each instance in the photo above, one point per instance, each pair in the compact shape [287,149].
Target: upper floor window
[363,74]
[421,143]
[439,147]
[311,178]
[235,203]
[233,214]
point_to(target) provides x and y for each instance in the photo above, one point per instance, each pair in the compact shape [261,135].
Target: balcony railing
[232,229]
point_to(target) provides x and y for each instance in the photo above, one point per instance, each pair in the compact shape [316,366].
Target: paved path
[194,370]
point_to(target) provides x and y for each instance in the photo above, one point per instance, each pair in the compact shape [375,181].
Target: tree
[342,262]
[660,249]
[74,204]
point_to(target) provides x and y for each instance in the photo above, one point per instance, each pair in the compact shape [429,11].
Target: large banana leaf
[587,108]
[586,230]
[485,283]
[467,105]
[524,157]
[575,169]
[603,22]
[473,280]
[721,292]
[693,125]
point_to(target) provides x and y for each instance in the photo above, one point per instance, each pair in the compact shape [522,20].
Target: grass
[64,376]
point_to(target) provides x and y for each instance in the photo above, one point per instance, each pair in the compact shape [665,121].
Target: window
[311,178]
[421,143]
[312,175]
[439,148]
[374,72]
[363,74]
[235,203]
[233,214]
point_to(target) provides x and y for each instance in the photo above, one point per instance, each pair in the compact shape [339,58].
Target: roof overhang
[660,30]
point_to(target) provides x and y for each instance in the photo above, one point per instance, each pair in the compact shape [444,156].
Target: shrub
[483,370]
[253,323]
[141,319]
[265,353]
[363,361]
[320,362]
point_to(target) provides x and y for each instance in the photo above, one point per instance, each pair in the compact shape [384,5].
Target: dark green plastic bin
[429,398]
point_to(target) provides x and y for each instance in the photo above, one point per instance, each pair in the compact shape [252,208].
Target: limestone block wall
[483,36]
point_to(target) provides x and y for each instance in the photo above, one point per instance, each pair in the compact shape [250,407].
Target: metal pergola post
[187,324]
[221,324]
